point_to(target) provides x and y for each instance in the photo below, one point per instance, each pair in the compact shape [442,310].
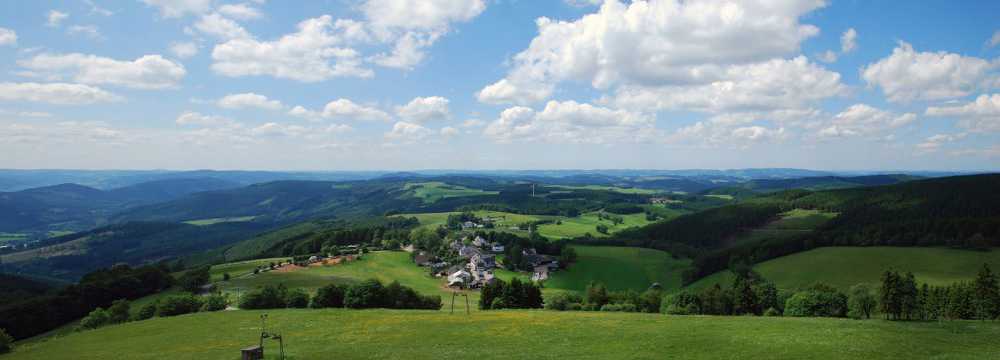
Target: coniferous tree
[987,296]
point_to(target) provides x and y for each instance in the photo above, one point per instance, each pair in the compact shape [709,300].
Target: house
[497,247]
[468,225]
[422,258]
[536,260]
[481,278]
[540,273]
[482,262]
[468,251]
[479,242]
[460,279]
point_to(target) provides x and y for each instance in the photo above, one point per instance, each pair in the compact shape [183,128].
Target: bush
[561,301]
[146,312]
[820,300]
[178,305]
[215,302]
[267,297]
[119,311]
[574,307]
[611,307]
[368,294]
[97,318]
[771,312]
[192,280]
[330,296]
[297,298]
[6,342]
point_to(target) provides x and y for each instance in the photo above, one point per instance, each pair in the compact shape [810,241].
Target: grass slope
[619,268]
[388,334]
[844,267]
[431,192]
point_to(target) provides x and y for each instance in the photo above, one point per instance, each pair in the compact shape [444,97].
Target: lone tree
[861,302]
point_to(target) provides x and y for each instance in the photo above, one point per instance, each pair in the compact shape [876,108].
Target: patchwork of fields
[560,227]
[396,334]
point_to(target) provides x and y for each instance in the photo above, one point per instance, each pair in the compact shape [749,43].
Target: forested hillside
[958,212]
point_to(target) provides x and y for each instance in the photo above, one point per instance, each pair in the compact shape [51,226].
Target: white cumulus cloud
[184,50]
[55,93]
[571,122]
[425,109]
[241,11]
[981,115]
[864,120]
[55,18]
[907,75]
[179,8]
[652,43]
[146,72]
[249,100]
[849,41]
[8,37]
[313,53]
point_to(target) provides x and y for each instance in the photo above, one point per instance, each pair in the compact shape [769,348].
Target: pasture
[433,191]
[843,267]
[539,334]
[619,268]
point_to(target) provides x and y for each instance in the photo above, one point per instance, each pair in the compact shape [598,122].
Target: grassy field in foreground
[387,334]
[843,267]
[619,268]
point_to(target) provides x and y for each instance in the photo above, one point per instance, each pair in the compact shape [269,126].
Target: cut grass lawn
[431,192]
[619,268]
[213,221]
[844,267]
[402,334]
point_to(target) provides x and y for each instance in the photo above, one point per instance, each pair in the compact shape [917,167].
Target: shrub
[498,304]
[146,312]
[297,298]
[119,311]
[225,277]
[192,280]
[368,294]
[771,312]
[267,297]
[178,305]
[215,302]
[330,296]
[6,342]
[820,300]
[561,301]
[97,318]
[574,307]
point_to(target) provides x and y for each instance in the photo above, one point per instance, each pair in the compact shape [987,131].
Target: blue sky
[502,84]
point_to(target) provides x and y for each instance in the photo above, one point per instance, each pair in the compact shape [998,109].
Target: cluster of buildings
[479,261]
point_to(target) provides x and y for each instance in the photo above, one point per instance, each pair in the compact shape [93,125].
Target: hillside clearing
[844,267]
[619,268]
[384,334]
[431,192]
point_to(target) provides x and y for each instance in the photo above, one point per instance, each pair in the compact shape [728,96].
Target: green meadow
[213,221]
[608,188]
[843,267]
[619,268]
[433,191]
[539,334]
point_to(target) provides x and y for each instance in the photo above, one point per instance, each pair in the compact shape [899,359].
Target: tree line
[363,295]
[100,288]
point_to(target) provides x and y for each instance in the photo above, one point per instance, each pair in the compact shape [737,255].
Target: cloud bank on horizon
[492,84]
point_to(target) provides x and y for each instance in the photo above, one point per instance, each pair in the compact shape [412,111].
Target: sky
[499,84]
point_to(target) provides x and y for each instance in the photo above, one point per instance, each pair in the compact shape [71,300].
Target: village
[475,259]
